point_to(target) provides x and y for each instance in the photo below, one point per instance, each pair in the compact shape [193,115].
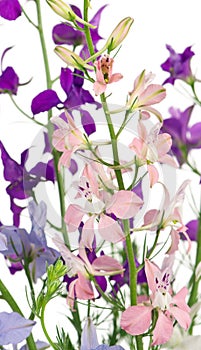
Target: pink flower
[67,139]
[144,95]
[79,266]
[152,147]
[169,216]
[99,204]
[137,319]
[104,74]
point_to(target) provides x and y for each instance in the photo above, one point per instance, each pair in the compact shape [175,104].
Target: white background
[156,23]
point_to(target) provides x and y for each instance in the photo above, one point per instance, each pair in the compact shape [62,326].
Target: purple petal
[63,33]
[89,339]
[10,9]
[43,170]
[47,148]
[44,101]
[9,81]
[14,328]
[16,210]
[73,167]
[3,242]
[192,230]
[195,135]
[138,190]
[40,345]
[66,79]
[12,169]
[87,122]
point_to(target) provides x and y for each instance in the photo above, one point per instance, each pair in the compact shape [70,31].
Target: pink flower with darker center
[137,319]
[104,74]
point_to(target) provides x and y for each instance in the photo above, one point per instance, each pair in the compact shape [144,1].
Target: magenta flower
[152,147]
[137,319]
[10,9]
[80,266]
[104,74]
[178,65]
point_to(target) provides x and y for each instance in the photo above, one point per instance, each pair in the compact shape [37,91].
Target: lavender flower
[32,248]
[14,328]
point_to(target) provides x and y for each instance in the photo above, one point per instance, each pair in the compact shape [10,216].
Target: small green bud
[119,34]
[71,58]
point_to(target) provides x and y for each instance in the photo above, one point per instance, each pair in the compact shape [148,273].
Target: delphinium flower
[10,9]
[162,303]
[14,328]
[80,266]
[184,137]
[9,80]
[104,74]
[169,215]
[151,147]
[21,180]
[89,340]
[101,210]
[179,66]
[29,248]
[144,95]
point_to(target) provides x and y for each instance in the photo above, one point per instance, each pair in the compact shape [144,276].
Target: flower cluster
[120,215]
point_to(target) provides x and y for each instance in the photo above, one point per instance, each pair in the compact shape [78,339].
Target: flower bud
[65,11]
[71,58]
[119,33]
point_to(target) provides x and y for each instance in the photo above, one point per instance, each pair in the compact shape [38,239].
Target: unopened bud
[119,34]
[71,58]
[65,11]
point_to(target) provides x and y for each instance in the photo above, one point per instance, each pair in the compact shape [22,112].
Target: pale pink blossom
[144,95]
[137,319]
[169,215]
[104,74]
[96,213]
[151,147]
[67,138]
[80,266]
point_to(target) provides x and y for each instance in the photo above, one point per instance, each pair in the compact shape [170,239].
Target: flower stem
[42,320]
[87,30]
[195,284]
[12,303]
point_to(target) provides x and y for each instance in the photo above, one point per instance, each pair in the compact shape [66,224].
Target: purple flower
[184,137]
[10,9]
[178,65]
[14,328]
[32,247]
[63,33]
[40,345]
[76,96]
[22,181]
[9,80]
[192,231]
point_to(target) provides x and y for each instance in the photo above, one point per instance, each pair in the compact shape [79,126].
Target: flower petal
[163,330]
[136,319]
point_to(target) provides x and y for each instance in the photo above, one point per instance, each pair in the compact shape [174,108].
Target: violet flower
[10,9]
[9,80]
[178,65]
[76,97]
[64,33]
[14,328]
[29,248]
[22,181]
[184,137]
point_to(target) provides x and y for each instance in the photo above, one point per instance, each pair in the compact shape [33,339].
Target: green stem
[12,303]
[195,284]
[87,30]
[42,320]
[24,113]
[43,45]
